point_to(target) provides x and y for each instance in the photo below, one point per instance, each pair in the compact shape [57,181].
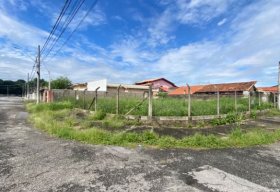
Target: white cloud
[19,32]
[94,18]
[200,11]
[250,54]
[223,21]
[194,12]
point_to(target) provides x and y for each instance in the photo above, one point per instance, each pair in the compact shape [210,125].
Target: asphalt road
[31,160]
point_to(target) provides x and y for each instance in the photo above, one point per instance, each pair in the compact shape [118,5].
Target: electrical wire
[65,27]
[68,38]
[64,8]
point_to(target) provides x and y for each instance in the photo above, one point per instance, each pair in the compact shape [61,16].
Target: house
[111,88]
[79,86]
[158,85]
[268,93]
[273,89]
[240,88]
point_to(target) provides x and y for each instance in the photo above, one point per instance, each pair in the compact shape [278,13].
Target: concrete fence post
[235,101]
[118,99]
[249,101]
[150,107]
[218,103]
[189,102]
[84,99]
[274,100]
[259,94]
[95,101]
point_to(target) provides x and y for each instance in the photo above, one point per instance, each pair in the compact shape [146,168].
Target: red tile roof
[227,87]
[184,90]
[147,81]
[273,89]
[224,87]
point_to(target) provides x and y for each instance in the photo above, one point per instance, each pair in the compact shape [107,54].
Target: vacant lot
[31,160]
[62,120]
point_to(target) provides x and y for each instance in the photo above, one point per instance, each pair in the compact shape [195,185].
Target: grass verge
[61,120]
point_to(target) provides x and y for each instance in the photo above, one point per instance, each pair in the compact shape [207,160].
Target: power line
[64,8]
[65,27]
[32,72]
[24,53]
[81,21]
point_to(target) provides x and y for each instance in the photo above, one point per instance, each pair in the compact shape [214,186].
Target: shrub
[98,115]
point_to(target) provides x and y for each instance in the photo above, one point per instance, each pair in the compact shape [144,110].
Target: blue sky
[124,41]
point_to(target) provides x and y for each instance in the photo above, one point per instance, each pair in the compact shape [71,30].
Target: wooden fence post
[150,108]
[235,101]
[189,103]
[118,100]
[218,103]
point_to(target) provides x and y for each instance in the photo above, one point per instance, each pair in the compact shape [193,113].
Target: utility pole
[7,90]
[38,74]
[278,87]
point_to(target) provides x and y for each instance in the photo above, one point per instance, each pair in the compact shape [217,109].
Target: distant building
[273,89]
[79,86]
[112,88]
[240,88]
[268,93]
[158,85]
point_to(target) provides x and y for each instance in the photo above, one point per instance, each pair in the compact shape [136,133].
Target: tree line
[18,87]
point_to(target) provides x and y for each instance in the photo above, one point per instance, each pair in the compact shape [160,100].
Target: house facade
[158,85]
[79,86]
[268,93]
[125,89]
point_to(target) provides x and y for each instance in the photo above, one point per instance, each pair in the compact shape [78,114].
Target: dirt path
[33,161]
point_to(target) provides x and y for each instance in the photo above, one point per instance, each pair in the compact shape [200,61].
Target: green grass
[273,112]
[61,120]
[172,106]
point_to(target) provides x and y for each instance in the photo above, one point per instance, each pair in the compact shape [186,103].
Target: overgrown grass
[58,119]
[273,112]
[172,106]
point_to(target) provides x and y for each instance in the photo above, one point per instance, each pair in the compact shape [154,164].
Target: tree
[12,87]
[61,83]
[33,84]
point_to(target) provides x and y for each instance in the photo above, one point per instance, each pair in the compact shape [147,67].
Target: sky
[125,41]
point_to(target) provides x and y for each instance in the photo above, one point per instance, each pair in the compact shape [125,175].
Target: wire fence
[144,104]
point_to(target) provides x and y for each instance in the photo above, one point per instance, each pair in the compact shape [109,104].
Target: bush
[98,115]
